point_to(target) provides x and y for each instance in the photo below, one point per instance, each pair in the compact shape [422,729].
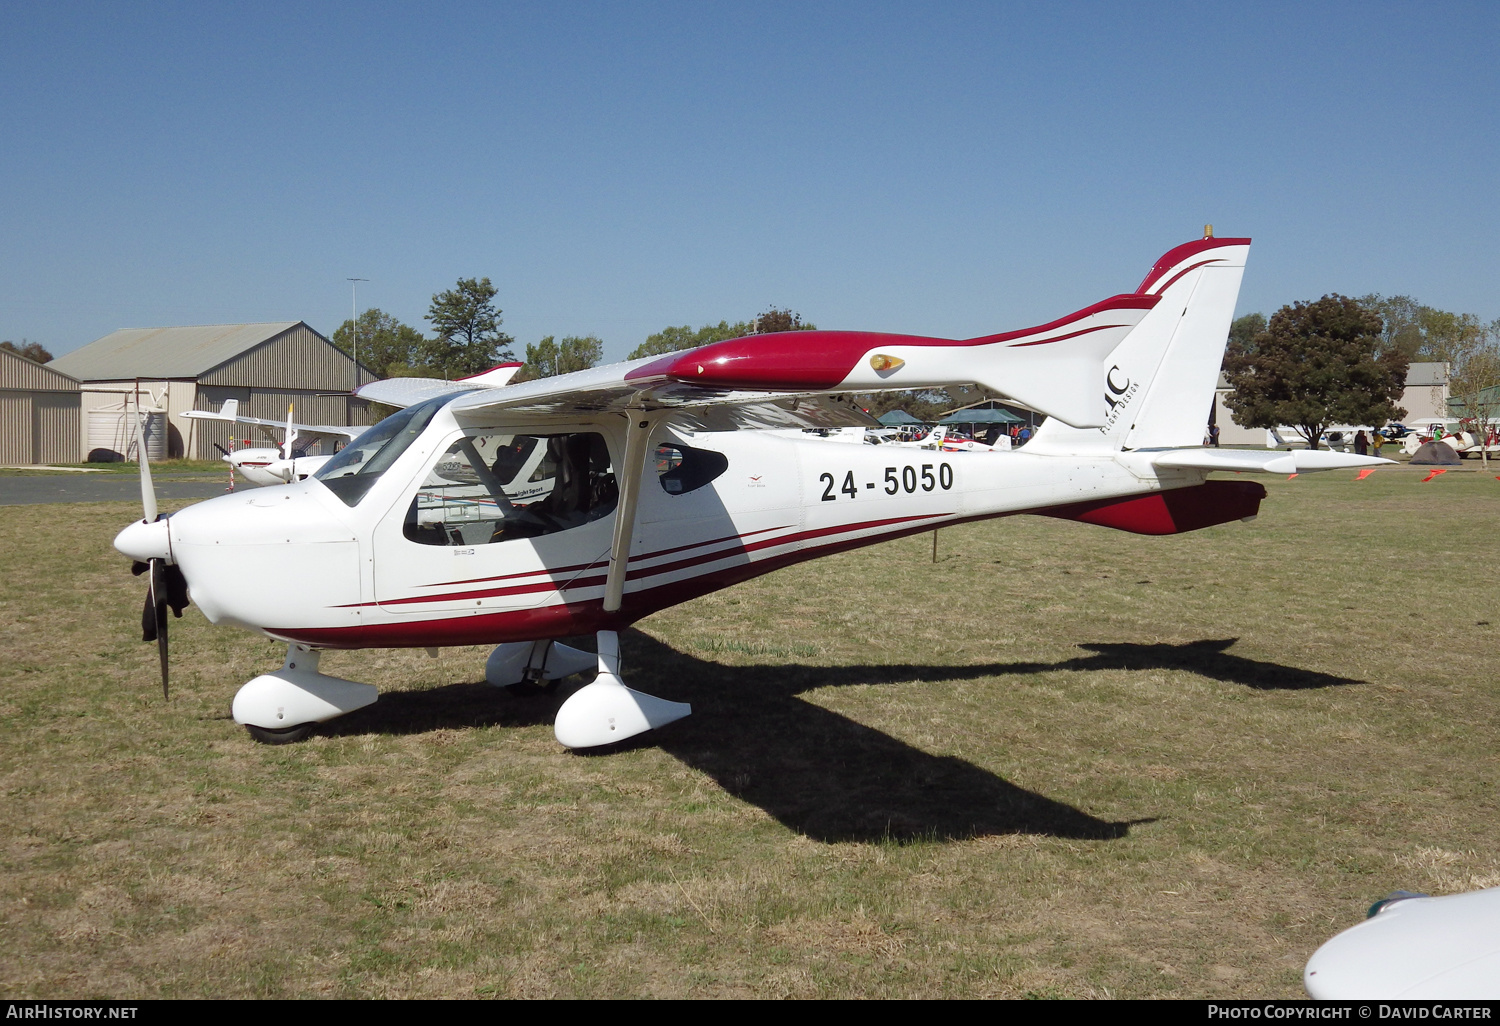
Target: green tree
[388,347]
[1244,329]
[676,339]
[550,357]
[1474,383]
[1316,364]
[924,404]
[1423,332]
[466,329]
[781,320]
[31,350]
[672,340]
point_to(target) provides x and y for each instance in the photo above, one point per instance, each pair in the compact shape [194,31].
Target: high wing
[806,378]
[230,412]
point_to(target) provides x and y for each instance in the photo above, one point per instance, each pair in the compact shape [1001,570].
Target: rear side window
[682,469]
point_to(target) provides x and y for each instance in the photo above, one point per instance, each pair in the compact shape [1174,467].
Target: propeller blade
[291,434]
[159,610]
[148,490]
[167,588]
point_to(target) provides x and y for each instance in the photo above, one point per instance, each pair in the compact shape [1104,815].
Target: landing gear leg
[285,705]
[606,711]
[534,667]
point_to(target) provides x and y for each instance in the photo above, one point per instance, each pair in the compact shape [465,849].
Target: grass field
[1061,761]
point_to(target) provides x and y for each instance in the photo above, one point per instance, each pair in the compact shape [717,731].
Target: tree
[1475,383]
[386,346]
[925,404]
[466,326]
[549,357]
[1423,332]
[671,340]
[31,350]
[1244,329]
[781,320]
[1316,364]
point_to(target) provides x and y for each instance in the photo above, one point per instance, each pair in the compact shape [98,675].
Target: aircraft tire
[280,736]
[532,689]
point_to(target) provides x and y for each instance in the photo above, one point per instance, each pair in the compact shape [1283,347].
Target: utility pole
[354,325]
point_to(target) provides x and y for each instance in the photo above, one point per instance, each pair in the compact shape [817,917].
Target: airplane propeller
[166,585]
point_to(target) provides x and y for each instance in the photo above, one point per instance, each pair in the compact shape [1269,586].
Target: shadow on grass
[819,773]
[815,771]
[1205,658]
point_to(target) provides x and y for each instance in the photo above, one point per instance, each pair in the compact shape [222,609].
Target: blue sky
[950,169]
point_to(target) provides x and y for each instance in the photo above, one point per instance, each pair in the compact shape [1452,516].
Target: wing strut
[632,473]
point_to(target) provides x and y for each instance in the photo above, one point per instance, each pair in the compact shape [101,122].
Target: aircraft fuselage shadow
[827,776]
[816,771]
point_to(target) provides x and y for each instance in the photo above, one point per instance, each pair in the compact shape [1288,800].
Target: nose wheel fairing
[298,694]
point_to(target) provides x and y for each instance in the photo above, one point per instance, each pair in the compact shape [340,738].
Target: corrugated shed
[18,372]
[186,352]
[15,429]
[39,413]
[1426,375]
[298,358]
[55,427]
[269,404]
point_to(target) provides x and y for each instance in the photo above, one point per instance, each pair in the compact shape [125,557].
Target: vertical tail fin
[1159,382]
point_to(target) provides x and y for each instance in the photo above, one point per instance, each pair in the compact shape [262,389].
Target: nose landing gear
[285,705]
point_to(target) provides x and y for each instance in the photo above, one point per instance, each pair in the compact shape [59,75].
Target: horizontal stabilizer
[1299,461]
[230,412]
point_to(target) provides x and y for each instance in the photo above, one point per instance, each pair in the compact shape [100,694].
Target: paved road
[19,490]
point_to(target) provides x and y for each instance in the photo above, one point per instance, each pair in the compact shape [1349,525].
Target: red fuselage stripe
[653,571]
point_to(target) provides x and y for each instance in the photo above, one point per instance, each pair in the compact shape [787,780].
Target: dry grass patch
[1061,761]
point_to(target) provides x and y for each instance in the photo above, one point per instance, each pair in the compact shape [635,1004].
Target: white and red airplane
[642,489]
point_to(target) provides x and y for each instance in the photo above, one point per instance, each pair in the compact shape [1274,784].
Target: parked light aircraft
[422,533]
[272,465]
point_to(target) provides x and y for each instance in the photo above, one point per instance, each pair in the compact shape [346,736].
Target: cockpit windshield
[358,465]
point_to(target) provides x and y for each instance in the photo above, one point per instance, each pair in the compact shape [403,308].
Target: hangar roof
[165,352]
[17,372]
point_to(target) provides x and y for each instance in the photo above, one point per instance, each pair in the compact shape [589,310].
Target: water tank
[113,431]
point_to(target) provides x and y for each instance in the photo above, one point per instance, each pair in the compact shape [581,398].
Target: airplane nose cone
[145,541]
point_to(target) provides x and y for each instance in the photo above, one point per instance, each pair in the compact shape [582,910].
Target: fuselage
[449,542]
[266,466]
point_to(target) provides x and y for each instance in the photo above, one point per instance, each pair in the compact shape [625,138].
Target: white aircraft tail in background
[279,464]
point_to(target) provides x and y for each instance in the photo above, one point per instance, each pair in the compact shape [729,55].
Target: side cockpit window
[500,486]
[682,469]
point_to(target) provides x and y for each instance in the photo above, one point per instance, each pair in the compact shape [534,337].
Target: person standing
[1361,445]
